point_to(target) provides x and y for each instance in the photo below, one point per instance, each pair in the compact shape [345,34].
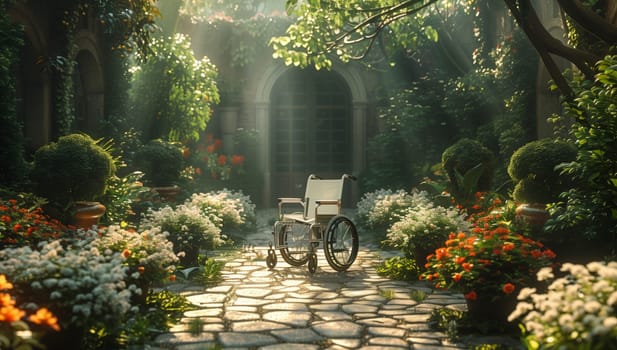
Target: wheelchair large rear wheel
[341,243]
[294,245]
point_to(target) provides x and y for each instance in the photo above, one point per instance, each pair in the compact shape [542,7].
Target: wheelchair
[297,235]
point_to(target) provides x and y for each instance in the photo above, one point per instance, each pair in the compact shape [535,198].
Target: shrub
[425,228]
[533,169]
[459,159]
[189,230]
[226,208]
[381,208]
[160,161]
[75,168]
[399,268]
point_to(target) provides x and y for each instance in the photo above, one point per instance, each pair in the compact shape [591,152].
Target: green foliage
[399,268]
[164,308]
[75,168]
[11,137]
[120,194]
[161,162]
[210,271]
[459,161]
[590,207]
[349,29]
[416,130]
[173,92]
[535,170]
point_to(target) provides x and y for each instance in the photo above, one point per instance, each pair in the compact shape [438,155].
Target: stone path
[287,308]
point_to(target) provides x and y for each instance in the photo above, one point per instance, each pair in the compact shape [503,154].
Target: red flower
[221,160]
[467,266]
[508,288]
[210,149]
[197,171]
[471,295]
[237,159]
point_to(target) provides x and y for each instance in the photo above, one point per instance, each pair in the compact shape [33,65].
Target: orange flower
[6,218]
[549,254]
[508,288]
[508,246]
[45,317]
[126,253]
[457,277]
[460,259]
[471,295]
[10,313]
[222,159]
[141,269]
[467,266]
[210,149]
[172,278]
[217,144]
[4,284]
[186,152]
[461,235]
[197,171]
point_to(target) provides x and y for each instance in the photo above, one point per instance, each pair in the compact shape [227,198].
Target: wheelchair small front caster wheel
[312,262]
[271,259]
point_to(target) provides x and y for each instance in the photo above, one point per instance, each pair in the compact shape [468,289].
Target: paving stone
[338,329]
[388,341]
[324,307]
[255,326]
[290,346]
[333,315]
[359,308]
[250,302]
[347,343]
[246,340]
[386,332]
[208,298]
[183,338]
[241,316]
[326,295]
[380,321]
[291,318]
[286,306]
[253,292]
[420,318]
[204,312]
[301,335]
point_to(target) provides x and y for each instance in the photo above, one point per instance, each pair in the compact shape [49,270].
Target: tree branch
[590,20]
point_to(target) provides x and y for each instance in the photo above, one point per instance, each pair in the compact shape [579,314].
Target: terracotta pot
[535,215]
[168,193]
[87,214]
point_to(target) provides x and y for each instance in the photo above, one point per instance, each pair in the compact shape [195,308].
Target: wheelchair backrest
[322,189]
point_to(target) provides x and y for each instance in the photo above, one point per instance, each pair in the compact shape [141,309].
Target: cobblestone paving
[287,308]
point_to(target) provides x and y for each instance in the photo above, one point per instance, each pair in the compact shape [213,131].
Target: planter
[420,254]
[535,215]
[492,309]
[167,193]
[87,214]
[190,257]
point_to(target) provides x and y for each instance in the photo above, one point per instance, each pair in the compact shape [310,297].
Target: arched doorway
[89,96]
[311,129]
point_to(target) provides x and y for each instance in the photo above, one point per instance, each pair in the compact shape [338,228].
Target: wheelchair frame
[297,235]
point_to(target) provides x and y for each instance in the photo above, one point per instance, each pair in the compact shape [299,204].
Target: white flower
[545,273]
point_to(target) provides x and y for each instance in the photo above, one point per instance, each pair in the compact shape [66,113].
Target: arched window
[311,129]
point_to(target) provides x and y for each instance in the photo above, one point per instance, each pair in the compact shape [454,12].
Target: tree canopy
[355,29]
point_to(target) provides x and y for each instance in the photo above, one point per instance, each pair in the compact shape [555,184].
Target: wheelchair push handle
[350,177]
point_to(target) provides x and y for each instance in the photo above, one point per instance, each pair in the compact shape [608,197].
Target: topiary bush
[532,168]
[160,161]
[75,168]
[460,161]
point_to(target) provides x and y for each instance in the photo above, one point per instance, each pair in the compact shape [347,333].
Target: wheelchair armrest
[284,200]
[287,200]
[327,202]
